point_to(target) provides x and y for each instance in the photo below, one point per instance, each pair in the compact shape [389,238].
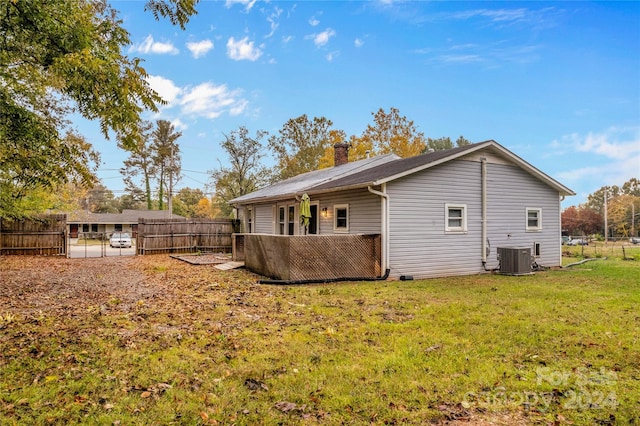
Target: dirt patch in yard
[204,258]
[49,284]
[29,285]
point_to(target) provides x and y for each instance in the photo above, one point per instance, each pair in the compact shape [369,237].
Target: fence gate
[96,244]
[43,235]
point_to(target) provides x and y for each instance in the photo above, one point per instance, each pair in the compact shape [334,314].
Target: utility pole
[606,222]
[171,183]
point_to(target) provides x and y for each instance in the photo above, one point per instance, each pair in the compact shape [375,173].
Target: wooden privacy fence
[184,236]
[43,235]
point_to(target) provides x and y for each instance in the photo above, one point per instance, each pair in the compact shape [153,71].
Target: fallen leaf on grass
[145,394]
[287,407]
[433,348]
[253,385]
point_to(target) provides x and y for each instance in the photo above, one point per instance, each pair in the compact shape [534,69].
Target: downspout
[483,179]
[561,197]
[384,246]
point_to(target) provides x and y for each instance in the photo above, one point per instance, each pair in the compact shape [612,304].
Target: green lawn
[558,347]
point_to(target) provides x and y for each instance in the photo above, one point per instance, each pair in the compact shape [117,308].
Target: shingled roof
[305,182]
[390,168]
[127,216]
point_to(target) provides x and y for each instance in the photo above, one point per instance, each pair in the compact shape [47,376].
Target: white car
[120,239]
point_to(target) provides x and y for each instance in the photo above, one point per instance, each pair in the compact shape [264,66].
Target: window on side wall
[291,220]
[537,250]
[534,219]
[118,227]
[249,220]
[341,218]
[455,217]
[281,220]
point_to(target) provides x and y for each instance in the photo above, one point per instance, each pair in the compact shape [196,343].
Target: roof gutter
[384,245]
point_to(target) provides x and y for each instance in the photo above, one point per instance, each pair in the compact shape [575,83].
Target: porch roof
[306,182]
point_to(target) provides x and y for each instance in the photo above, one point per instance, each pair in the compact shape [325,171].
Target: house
[438,214]
[107,223]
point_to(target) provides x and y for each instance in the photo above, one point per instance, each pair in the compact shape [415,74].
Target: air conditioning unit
[515,260]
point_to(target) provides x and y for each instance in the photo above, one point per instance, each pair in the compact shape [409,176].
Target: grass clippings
[153,340]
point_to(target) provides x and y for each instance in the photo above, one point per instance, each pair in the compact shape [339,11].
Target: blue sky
[556,83]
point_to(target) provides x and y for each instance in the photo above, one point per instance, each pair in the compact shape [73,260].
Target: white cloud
[492,55]
[178,124]
[156,47]
[358,42]
[242,49]
[314,22]
[460,58]
[211,101]
[248,4]
[204,100]
[199,48]
[536,18]
[164,87]
[239,107]
[332,55]
[614,156]
[320,39]
[615,142]
[273,22]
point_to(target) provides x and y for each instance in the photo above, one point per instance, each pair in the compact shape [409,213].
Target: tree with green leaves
[462,141]
[100,199]
[60,57]
[392,133]
[165,153]
[177,11]
[245,172]
[186,201]
[133,201]
[300,144]
[444,143]
[140,164]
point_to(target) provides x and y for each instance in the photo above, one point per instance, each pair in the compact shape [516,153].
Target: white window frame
[291,220]
[249,220]
[463,219]
[538,212]
[537,249]
[281,220]
[337,228]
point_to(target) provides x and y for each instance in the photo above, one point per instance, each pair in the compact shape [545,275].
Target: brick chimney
[341,153]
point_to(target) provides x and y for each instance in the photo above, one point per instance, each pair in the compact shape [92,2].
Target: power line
[195,171]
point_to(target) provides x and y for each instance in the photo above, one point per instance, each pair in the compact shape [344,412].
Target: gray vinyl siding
[510,191]
[419,245]
[364,211]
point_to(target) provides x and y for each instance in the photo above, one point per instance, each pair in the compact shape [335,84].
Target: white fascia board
[563,190]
